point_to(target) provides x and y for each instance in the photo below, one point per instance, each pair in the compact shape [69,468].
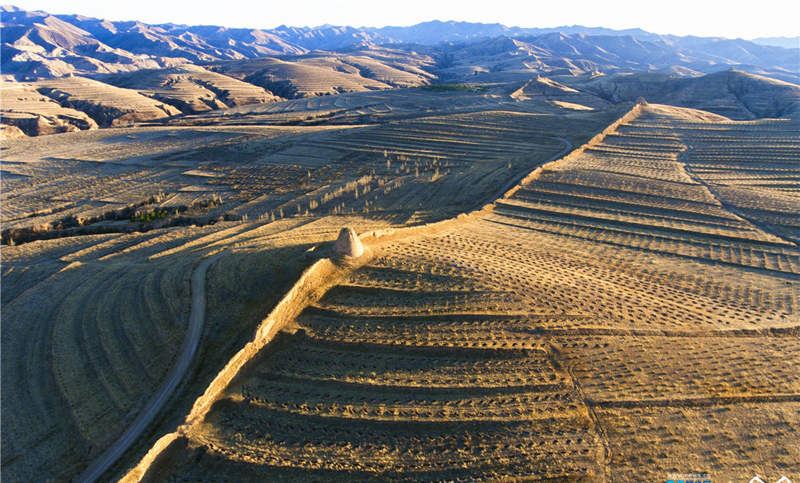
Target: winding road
[189,347]
[170,383]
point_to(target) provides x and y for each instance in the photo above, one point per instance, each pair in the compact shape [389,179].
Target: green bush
[148,216]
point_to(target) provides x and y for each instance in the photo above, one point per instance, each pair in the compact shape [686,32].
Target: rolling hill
[191,89]
[191,69]
[37,44]
[580,248]
[733,94]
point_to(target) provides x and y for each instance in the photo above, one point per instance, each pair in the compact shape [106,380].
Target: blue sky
[731,19]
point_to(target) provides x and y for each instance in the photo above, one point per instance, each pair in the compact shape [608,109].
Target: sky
[707,18]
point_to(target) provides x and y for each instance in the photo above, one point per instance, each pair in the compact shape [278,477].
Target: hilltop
[731,93]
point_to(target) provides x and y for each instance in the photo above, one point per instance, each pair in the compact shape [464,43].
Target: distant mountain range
[788,42]
[37,45]
[64,73]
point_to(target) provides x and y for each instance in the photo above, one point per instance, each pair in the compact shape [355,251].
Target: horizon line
[364,27]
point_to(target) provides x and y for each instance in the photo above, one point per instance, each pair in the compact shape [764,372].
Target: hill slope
[733,94]
[108,105]
[192,89]
[36,44]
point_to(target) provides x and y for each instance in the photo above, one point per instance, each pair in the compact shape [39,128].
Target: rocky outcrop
[11,132]
[36,125]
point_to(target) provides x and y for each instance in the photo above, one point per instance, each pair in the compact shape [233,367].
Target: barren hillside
[34,114]
[580,259]
[131,212]
[192,89]
[108,105]
[529,342]
[37,44]
[733,94]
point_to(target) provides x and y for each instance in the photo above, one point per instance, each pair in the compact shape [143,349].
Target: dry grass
[100,324]
[611,319]
[647,282]
[105,313]
[268,173]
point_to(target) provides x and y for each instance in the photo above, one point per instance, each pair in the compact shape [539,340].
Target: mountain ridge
[68,72]
[38,45]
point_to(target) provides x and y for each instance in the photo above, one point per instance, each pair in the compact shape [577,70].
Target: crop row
[661,367]
[724,441]
[85,346]
[389,388]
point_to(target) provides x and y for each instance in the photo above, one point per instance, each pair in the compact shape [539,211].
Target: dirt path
[137,473]
[168,385]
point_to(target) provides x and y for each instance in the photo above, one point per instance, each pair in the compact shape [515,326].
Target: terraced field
[108,105]
[103,229]
[325,74]
[629,312]
[611,320]
[417,162]
[754,175]
[83,357]
[639,189]
[399,104]
[92,324]
[310,78]
[34,114]
[191,88]
[102,178]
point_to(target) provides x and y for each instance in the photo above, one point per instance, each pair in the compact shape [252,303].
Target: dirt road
[170,383]
[189,347]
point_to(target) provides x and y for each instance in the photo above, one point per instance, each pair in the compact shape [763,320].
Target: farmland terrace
[98,179]
[560,281]
[103,229]
[629,312]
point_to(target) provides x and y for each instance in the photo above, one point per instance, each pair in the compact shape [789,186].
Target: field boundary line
[608,452]
[324,274]
[312,285]
[167,387]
